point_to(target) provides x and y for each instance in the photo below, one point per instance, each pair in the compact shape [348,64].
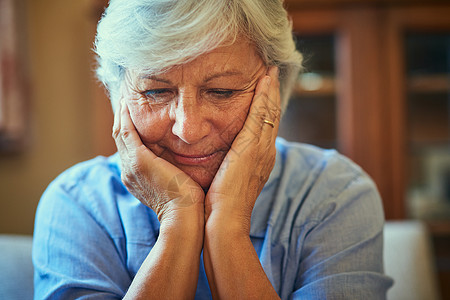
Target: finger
[266,106]
[274,101]
[128,133]
[132,142]
[250,133]
[116,129]
[266,110]
[116,125]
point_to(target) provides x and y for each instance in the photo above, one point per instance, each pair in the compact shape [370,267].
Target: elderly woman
[202,200]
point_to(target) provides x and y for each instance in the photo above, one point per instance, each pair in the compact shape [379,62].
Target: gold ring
[269,123]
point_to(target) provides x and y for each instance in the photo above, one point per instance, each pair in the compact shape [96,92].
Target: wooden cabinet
[390,89]
[381,111]
[419,116]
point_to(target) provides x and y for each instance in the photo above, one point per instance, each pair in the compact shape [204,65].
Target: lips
[193,159]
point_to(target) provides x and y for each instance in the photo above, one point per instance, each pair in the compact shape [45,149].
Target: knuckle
[125,133]
[259,112]
[115,132]
[275,113]
[121,132]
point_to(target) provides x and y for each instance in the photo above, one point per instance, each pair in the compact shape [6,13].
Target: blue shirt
[317,228]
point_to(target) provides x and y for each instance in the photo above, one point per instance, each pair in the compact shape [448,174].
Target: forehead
[239,58]
[241,50]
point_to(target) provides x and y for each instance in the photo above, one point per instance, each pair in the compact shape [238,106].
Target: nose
[190,118]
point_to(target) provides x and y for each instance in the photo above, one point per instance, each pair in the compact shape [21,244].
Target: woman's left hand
[231,262]
[248,164]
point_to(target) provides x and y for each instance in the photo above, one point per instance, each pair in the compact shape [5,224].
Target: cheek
[234,117]
[151,123]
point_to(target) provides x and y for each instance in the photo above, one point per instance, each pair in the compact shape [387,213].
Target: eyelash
[222,94]
[158,95]
[154,94]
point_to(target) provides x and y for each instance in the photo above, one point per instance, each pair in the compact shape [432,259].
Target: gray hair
[153,35]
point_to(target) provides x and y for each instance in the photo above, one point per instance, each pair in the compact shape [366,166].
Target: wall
[59,38]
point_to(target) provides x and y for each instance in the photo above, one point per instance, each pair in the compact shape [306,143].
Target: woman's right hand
[179,203]
[158,184]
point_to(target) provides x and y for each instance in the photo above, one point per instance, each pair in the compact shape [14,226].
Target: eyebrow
[156,79]
[223,74]
[208,78]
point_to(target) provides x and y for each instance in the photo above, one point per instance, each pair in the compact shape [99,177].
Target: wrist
[227,225]
[226,214]
[183,223]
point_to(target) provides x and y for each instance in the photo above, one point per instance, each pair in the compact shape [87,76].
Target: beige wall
[59,37]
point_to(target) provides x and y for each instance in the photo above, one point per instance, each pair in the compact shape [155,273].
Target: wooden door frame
[415,18]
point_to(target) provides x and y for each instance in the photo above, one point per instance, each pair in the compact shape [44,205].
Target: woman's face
[190,114]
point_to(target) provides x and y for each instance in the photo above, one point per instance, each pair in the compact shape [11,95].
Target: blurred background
[49,114]
[376,87]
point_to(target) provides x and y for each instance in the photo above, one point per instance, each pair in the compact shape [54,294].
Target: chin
[202,173]
[202,176]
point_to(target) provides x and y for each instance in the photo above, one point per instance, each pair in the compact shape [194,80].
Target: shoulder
[91,186]
[323,212]
[309,185]
[297,157]
[306,168]
[78,222]
[79,185]
[89,183]
[87,192]
[93,191]
[88,172]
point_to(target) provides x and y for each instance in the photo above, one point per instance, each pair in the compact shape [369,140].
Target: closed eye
[156,92]
[158,95]
[221,93]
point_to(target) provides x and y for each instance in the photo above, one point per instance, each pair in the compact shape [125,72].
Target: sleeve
[73,255]
[341,251]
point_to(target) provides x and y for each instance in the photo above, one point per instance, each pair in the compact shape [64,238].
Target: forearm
[232,265]
[170,270]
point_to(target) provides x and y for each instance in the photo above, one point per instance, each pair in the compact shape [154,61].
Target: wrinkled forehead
[241,57]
